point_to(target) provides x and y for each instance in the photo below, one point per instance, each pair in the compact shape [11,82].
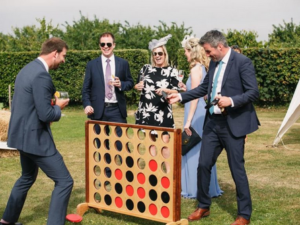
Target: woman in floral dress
[159,77]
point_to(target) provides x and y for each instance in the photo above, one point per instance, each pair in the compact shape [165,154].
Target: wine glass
[180,75]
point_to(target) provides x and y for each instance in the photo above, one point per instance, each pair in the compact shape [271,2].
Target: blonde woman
[194,113]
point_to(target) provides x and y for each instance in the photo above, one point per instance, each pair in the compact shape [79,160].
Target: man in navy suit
[29,132]
[227,123]
[106,79]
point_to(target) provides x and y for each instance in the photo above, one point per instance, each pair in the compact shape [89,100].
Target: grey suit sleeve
[43,89]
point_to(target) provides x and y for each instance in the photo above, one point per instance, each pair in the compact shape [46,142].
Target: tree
[84,34]
[286,35]
[243,38]
[30,38]
[135,37]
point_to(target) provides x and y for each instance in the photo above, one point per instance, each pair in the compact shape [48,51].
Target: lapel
[228,67]
[117,66]
[101,71]
[211,77]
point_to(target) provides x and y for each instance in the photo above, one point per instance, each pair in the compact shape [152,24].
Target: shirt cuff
[232,104]
[180,98]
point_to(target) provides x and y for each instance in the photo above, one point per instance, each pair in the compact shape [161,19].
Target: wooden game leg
[181,222]
[82,208]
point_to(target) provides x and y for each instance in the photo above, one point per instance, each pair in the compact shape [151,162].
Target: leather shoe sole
[198,214]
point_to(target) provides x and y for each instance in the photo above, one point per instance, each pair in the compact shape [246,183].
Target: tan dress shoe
[198,214]
[241,221]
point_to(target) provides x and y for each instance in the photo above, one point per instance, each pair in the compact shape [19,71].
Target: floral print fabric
[153,109]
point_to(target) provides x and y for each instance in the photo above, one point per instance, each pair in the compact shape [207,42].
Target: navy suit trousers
[216,136]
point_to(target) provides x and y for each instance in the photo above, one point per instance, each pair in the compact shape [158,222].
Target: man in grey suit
[29,132]
[231,80]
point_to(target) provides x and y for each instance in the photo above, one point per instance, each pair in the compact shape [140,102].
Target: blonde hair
[197,53]
[166,62]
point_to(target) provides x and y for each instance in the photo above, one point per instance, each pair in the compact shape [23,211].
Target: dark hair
[53,44]
[236,47]
[213,37]
[107,34]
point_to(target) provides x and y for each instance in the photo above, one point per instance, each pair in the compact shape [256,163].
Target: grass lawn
[274,176]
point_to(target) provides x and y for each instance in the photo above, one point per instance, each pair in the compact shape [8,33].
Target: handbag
[188,142]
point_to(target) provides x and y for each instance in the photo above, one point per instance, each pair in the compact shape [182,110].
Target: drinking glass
[62,94]
[180,75]
[141,79]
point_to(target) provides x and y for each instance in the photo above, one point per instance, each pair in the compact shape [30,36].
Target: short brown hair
[107,34]
[53,44]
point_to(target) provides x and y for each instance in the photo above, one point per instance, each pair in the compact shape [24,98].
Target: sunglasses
[158,53]
[103,44]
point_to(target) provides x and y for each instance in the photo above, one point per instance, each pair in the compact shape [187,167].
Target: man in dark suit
[106,79]
[226,123]
[29,132]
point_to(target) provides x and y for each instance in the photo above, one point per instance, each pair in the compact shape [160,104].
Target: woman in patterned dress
[159,77]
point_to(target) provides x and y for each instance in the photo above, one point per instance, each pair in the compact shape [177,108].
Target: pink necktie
[108,87]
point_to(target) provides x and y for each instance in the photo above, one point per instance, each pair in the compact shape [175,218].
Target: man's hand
[62,103]
[88,110]
[117,82]
[223,101]
[173,98]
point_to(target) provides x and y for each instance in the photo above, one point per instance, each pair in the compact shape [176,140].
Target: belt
[109,104]
[217,115]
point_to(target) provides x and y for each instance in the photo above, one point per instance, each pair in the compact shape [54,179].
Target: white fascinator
[157,43]
[186,39]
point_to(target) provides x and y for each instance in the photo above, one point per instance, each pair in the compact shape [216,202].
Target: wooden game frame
[101,186]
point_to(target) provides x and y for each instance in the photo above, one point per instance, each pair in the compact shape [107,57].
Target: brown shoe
[241,221]
[198,214]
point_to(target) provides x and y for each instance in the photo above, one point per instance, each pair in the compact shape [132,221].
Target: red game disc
[74,218]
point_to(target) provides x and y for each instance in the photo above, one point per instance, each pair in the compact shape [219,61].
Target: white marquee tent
[291,116]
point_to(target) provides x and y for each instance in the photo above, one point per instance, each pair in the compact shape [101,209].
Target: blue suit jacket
[240,84]
[32,112]
[93,91]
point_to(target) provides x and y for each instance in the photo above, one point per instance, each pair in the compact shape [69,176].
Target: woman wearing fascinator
[153,81]
[194,113]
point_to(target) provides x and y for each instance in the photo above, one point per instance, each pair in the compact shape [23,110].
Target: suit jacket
[31,114]
[93,91]
[240,84]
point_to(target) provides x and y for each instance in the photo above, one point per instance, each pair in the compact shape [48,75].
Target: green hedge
[69,77]
[277,73]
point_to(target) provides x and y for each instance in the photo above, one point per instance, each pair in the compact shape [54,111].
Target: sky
[201,16]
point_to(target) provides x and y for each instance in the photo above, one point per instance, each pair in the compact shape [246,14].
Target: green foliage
[69,77]
[29,38]
[243,38]
[84,34]
[286,35]
[135,36]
